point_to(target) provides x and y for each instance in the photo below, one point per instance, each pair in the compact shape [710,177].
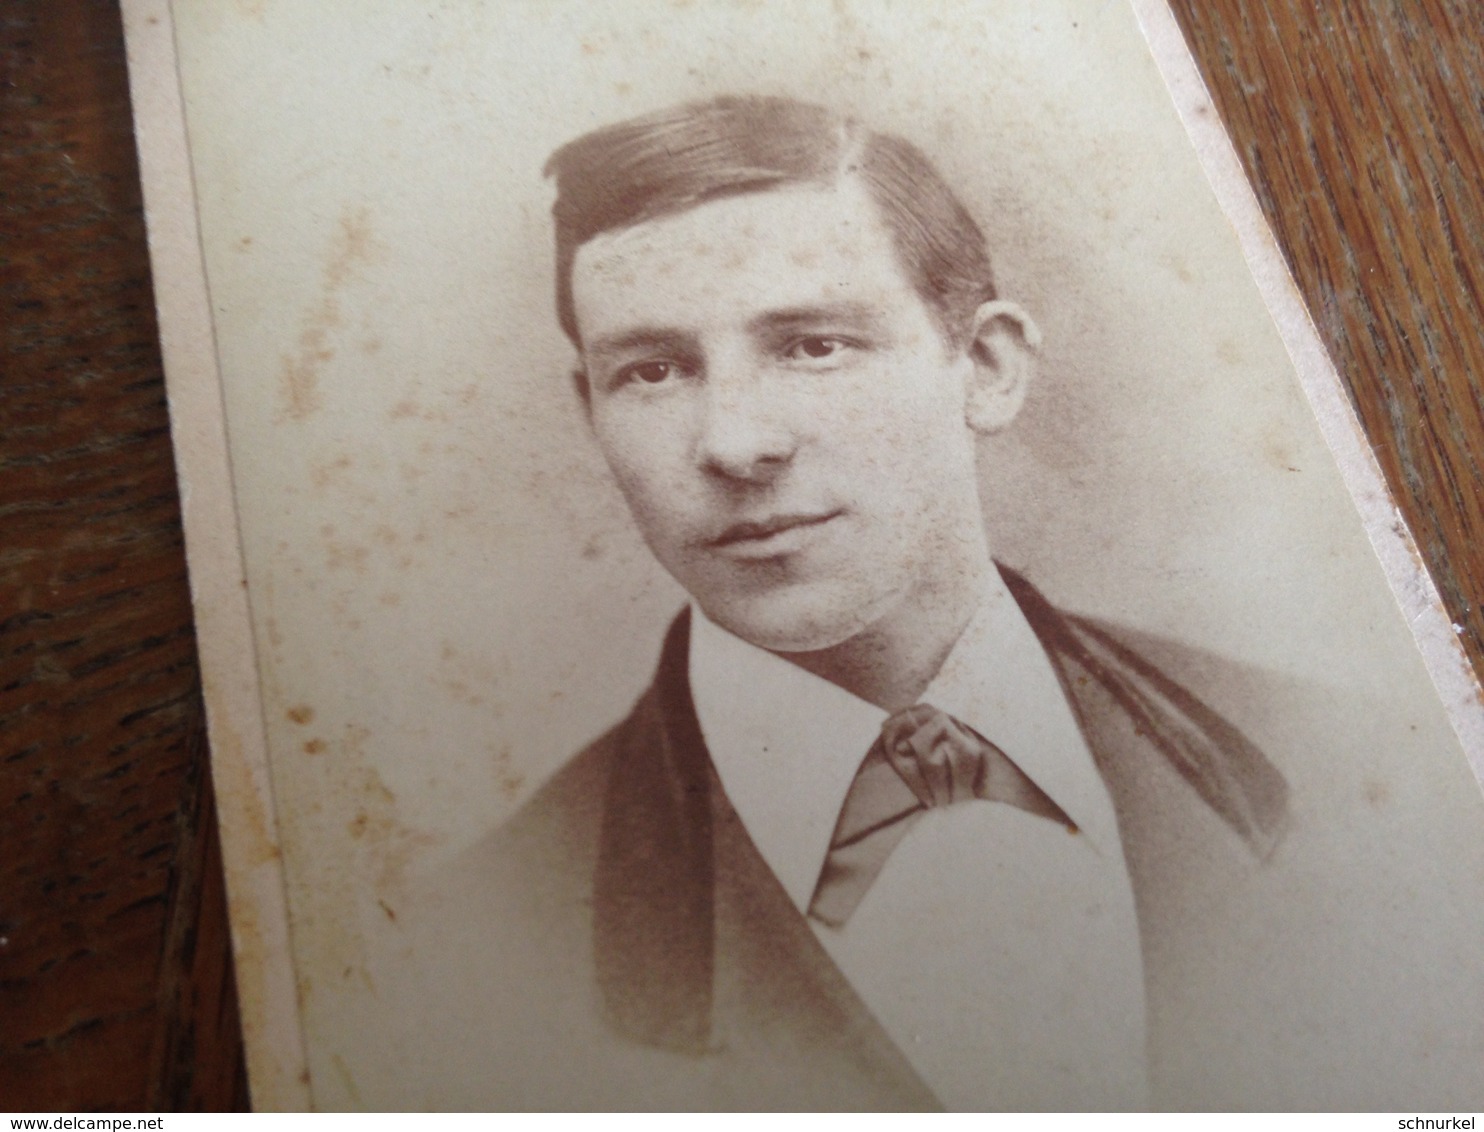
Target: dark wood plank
[1361,124]
[110,888]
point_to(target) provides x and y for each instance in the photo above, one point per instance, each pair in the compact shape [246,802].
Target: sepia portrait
[790,566]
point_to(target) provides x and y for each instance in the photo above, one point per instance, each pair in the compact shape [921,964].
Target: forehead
[737,256]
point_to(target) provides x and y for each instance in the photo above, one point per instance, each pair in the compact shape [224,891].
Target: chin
[791,621]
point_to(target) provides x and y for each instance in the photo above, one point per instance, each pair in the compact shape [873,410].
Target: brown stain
[314,747]
[1176,263]
[257,837]
[237,796]
[463,693]
[410,410]
[249,828]
[343,1072]
[300,714]
[388,847]
[346,556]
[468,679]
[1278,450]
[507,779]
[324,473]
[1229,351]
[355,854]
[845,17]
[1377,793]
[300,375]
[385,846]
[352,245]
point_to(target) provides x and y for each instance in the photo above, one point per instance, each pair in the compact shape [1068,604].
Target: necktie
[922,758]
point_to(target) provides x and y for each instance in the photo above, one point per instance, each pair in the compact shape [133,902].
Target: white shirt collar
[786,743]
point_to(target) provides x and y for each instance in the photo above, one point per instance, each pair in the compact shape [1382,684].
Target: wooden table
[1361,122]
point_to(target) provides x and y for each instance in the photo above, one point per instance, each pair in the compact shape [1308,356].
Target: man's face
[781,411]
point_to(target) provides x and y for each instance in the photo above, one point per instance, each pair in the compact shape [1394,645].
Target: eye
[816,348]
[646,373]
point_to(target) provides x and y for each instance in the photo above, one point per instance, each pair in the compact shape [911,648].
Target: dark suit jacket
[621,943]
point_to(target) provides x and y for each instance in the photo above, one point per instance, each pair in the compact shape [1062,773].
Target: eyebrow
[644,339]
[855,314]
[641,339]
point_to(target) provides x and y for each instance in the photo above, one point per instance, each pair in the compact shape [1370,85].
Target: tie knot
[940,759]
[922,759]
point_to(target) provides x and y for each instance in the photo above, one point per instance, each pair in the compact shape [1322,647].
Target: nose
[746,431]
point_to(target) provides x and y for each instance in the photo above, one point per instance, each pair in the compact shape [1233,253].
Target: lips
[773,534]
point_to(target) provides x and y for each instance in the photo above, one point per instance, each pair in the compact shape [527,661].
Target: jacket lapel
[699,949]
[653,888]
[1200,811]
[1110,685]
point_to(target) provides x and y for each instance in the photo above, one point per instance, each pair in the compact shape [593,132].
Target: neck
[892,662]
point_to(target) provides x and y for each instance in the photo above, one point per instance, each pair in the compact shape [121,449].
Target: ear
[1003,352]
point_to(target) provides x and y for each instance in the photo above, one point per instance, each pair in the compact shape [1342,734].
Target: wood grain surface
[115,987]
[1361,123]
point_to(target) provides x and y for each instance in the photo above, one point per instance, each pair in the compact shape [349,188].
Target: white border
[277,1069]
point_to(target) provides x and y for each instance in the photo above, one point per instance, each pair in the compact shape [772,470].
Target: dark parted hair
[674,159]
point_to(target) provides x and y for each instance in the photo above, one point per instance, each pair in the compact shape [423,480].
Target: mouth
[776,534]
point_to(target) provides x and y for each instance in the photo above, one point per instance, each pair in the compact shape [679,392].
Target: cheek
[897,424]
[645,458]
[911,452]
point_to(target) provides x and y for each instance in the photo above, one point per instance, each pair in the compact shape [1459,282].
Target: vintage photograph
[790,566]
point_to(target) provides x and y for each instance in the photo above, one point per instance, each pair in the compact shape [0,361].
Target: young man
[790,341]
[888,829]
